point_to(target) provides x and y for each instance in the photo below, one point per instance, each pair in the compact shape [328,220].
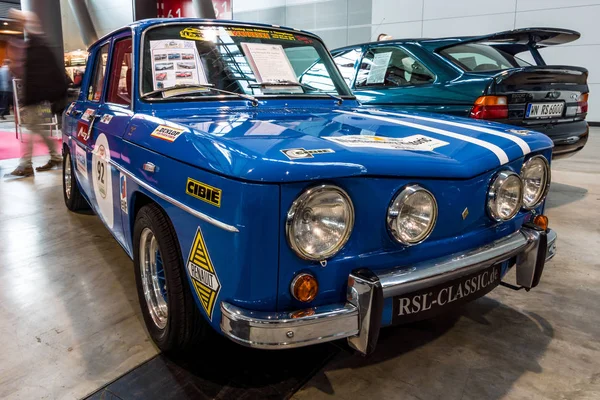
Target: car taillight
[490,107]
[582,103]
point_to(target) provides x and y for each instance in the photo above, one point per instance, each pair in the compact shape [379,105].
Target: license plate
[431,301]
[544,110]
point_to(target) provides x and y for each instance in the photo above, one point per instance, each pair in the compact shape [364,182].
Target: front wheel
[73,198]
[170,313]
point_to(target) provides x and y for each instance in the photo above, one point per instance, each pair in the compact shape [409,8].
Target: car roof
[146,23]
[518,38]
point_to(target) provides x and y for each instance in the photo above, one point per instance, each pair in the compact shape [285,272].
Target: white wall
[342,22]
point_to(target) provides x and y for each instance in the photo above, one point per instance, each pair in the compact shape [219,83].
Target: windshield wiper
[303,85]
[199,86]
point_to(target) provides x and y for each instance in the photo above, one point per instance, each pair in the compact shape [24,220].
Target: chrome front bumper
[359,319]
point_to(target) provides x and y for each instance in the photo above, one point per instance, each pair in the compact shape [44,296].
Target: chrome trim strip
[432,272]
[276,330]
[176,203]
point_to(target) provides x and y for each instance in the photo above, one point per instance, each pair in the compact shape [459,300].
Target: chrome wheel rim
[67,175]
[153,278]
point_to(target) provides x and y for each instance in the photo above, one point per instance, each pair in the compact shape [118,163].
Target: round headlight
[535,175]
[319,222]
[505,196]
[412,215]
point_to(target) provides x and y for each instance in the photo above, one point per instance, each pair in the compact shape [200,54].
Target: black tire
[185,325]
[73,200]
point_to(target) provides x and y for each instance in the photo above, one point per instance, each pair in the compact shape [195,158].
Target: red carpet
[10,147]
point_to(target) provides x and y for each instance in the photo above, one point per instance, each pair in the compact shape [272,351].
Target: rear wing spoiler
[536,37]
[520,40]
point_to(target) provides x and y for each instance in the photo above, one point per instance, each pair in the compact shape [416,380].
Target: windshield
[477,57]
[243,60]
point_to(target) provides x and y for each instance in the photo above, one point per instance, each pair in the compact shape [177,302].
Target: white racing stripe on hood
[522,144]
[502,157]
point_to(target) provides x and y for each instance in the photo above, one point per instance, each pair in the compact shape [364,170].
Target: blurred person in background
[384,36]
[44,80]
[6,89]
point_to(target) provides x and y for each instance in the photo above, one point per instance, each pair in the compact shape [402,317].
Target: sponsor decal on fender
[295,154]
[81,161]
[123,192]
[167,133]
[203,274]
[83,131]
[106,118]
[70,108]
[414,142]
[87,115]
[204,192]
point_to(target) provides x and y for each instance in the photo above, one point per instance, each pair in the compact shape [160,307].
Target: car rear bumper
[568,137]
[359,319]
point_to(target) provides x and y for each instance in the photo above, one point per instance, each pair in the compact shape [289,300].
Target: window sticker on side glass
[175,62]
[379,68]
[270,64]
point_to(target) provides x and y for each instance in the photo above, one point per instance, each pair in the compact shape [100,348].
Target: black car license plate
[428,302]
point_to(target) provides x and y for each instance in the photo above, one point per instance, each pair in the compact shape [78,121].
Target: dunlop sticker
[414,142]
[203,274]
[167,133]
[204,192]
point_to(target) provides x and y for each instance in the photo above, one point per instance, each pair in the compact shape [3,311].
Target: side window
[119,82]
[95,89]
[345,62]
[391,67]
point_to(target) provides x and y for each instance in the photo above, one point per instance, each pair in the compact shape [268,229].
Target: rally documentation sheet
[270,64]
[175,62]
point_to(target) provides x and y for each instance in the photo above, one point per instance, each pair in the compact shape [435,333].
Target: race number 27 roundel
[101,178]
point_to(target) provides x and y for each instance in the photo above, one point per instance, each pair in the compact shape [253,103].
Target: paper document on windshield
[175,62]
[379,68]
[270,64]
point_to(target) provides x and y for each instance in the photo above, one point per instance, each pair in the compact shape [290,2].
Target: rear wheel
[170,313]
[73,198]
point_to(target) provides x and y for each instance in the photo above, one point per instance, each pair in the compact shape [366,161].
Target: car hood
[287,145]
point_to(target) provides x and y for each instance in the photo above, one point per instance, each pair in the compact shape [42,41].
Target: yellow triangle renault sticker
[203,274]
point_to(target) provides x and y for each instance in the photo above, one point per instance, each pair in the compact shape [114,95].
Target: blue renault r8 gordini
[282,215]
[481,77]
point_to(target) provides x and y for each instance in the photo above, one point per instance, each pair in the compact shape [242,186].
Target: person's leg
[3,104]
[25,167]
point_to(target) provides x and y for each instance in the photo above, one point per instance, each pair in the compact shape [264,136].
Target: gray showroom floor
[71,321]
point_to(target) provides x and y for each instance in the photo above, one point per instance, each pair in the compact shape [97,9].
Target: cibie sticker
[106,118]
[167,133]
[87,115]
[81,161]
[102,180]
[123,192]
[414,142]
[204,192]
[295,154]
[203,274]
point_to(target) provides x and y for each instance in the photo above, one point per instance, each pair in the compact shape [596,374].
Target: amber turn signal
[304,287]
[541,221]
